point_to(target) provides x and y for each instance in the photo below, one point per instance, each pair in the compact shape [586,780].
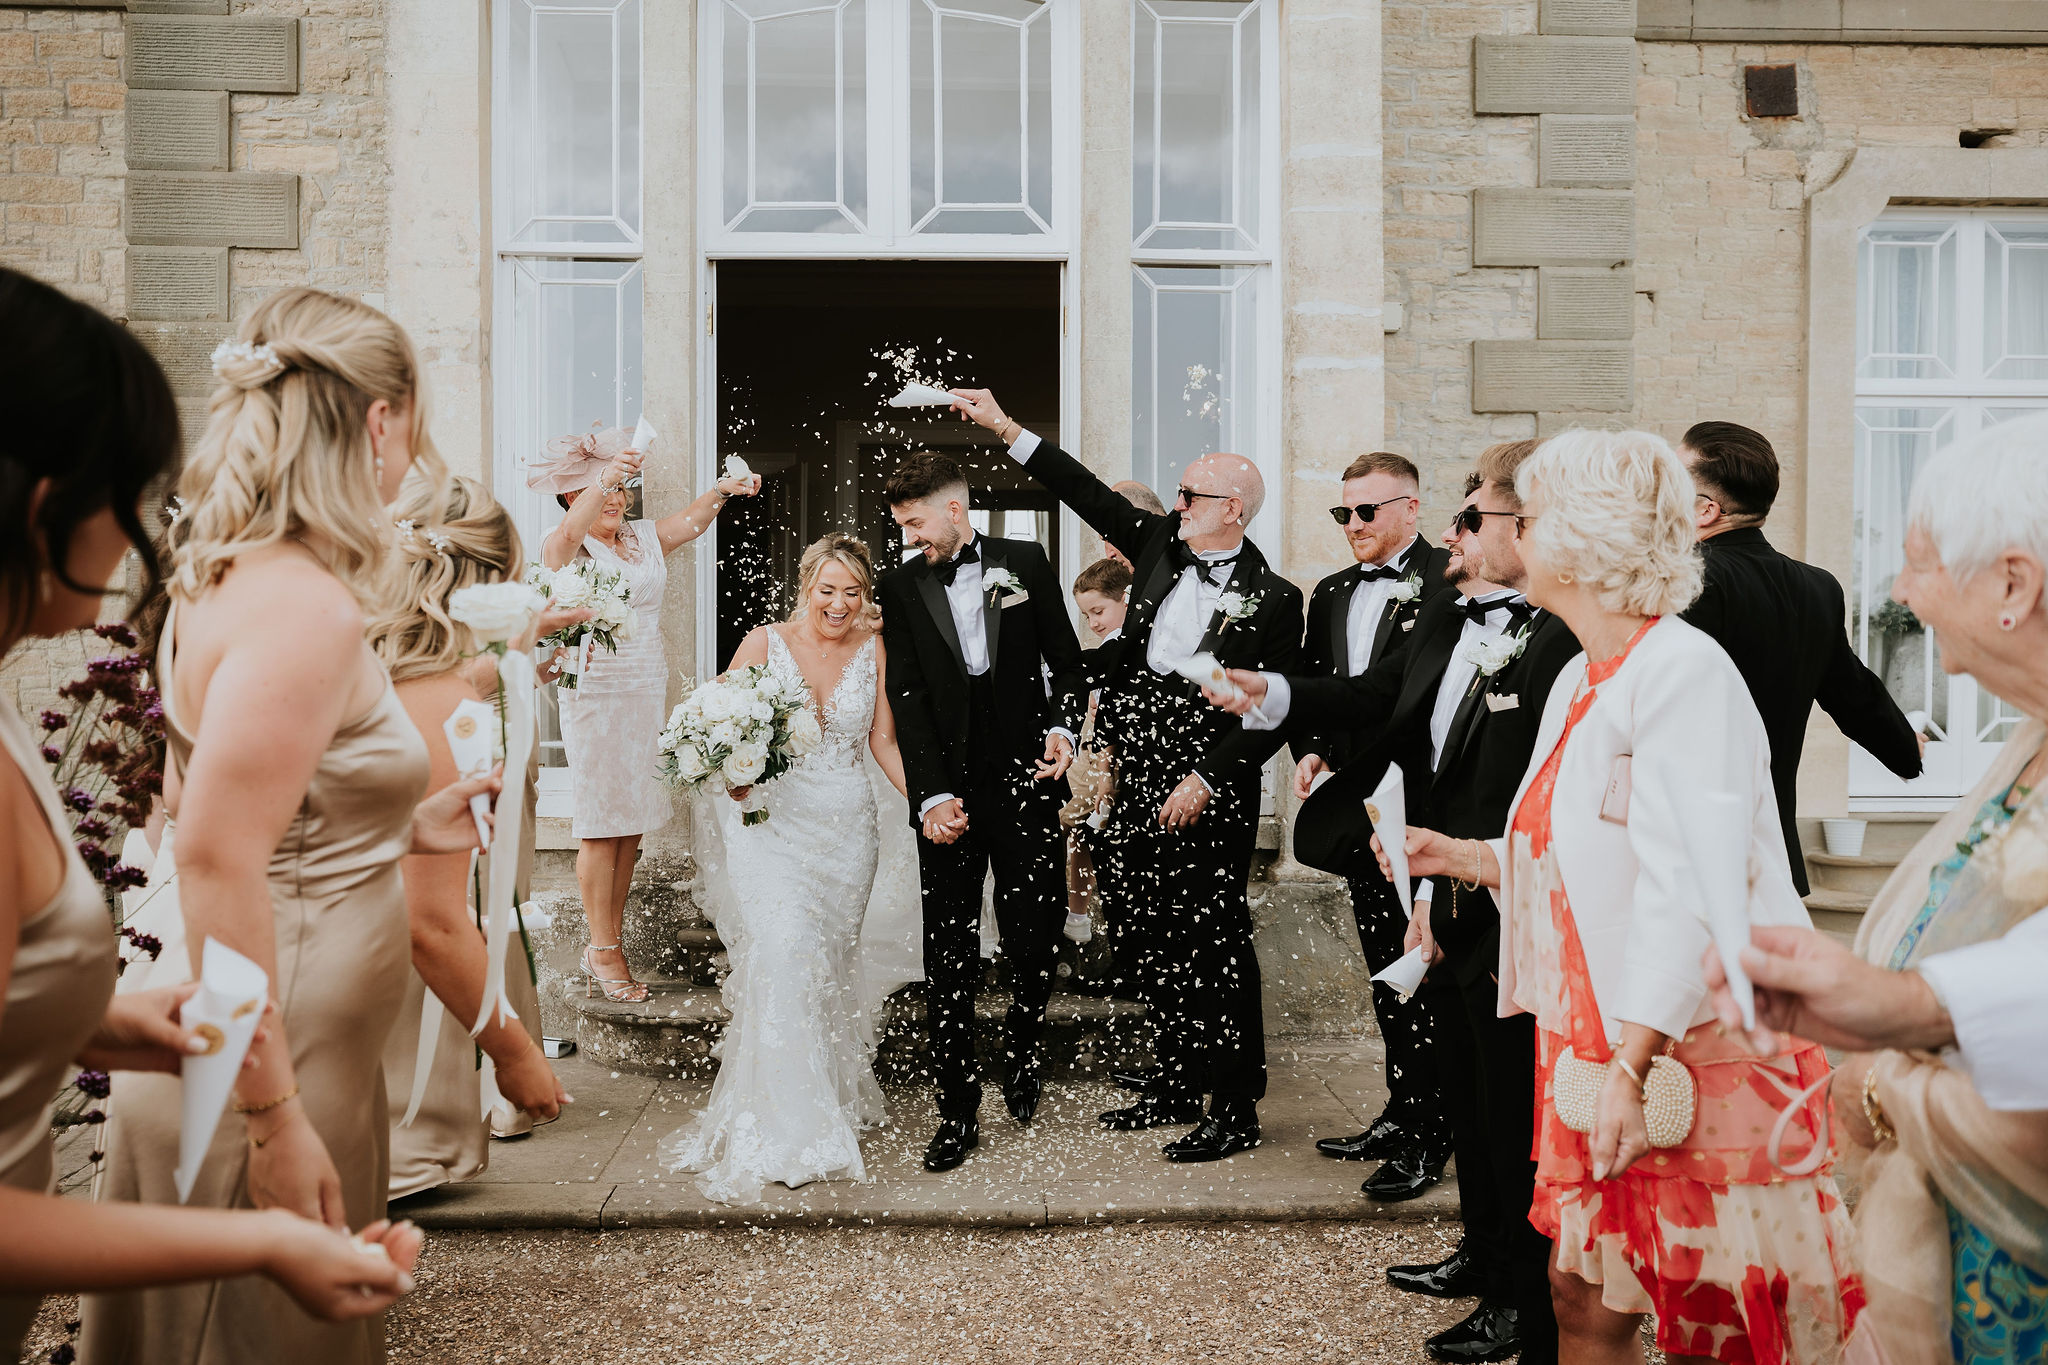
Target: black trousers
[1013,825]
[1189,926]
[1489,1068]
[1415,1095]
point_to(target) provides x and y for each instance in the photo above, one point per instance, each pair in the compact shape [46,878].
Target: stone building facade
[1442,223]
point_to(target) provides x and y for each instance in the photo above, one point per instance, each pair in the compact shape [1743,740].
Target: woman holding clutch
[1647,813]
[613,716]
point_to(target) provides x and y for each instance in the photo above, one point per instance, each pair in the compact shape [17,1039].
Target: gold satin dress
[344,952]
[62,978]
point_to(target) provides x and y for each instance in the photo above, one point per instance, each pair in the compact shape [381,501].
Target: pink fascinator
[572,463]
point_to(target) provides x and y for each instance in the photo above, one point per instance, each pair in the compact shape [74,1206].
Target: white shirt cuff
[1205,783]
[1993,994]
[1022,448]
[1065,734]
[1271,713]
[1425,891]
[934,803]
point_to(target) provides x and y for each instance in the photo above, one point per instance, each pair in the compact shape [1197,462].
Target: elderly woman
[1651,771]
[1943,1002]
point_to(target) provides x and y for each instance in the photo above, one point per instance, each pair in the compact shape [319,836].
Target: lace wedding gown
[796,1084]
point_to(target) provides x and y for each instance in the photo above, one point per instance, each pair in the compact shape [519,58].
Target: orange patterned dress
[1738,1261]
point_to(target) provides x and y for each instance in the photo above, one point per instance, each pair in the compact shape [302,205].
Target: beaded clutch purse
[1669,1098]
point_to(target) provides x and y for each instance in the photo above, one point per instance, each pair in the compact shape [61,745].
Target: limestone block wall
[63,134]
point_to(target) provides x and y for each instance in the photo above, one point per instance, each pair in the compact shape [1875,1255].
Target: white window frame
[892,233]
[534,513]
[1264,258]
[1954,762]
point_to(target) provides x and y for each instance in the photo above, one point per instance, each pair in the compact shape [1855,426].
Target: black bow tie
[1479,611]
[1385,572]
[947,570]
[1185,558]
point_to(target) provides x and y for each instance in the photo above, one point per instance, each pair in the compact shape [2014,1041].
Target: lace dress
[796,1086]
[612,719]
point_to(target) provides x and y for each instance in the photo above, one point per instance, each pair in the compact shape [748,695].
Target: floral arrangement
[741,730]
[1490,654]
[586,583]
[1407,590]
[1238,606]
[104,756]
[996,582]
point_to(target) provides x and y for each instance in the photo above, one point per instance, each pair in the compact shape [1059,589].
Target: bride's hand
[739,793]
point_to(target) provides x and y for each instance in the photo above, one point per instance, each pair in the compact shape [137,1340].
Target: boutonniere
[1407,590]
[996,582]
[1491,654]
[1237,606]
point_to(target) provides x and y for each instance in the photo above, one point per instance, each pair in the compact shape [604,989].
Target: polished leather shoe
[951,1144]
[1492,1332]
[1214,1139]
[1407,1175]
[1020,1093]
[1140,1081]
[1154,1111]
[1386,1138]
[1457,1276]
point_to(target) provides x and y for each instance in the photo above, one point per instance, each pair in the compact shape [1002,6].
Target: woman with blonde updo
[302,777]
[796,1084]
[446,543]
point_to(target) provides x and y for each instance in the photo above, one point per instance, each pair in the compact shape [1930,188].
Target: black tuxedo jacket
[1270,638]
[1326,647]
[1781,622]
[927,682]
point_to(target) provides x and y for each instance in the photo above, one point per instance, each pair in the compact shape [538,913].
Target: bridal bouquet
[738,731]
[585,583]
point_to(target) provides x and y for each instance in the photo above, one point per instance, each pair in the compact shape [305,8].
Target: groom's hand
[1059,756]
[979,405]
[945,822]
[1186,804]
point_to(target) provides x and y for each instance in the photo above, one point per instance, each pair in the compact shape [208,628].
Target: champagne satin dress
[62,978]
[344,952]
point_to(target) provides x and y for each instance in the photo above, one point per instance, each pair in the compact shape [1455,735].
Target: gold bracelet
[1477,867]
[1630,1072]
[1873,1109]
[1003,434]
[265,1107]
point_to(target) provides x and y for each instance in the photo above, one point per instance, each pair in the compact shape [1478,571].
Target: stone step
[1862,875]
[1839,913]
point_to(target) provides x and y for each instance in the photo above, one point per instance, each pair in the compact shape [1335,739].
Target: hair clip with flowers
[260,352]
[439,540]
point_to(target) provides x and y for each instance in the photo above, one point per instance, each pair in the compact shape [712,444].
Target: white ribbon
[515,692]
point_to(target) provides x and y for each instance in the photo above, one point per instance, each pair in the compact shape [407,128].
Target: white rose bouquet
[742,730]
[585,583]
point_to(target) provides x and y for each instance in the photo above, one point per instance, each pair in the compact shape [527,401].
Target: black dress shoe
[1407,1175]
[1020,1093]
[1457,1276]
[1386,1138]
[951,1144]
[1155,1111]
[1215,1138]
[1140,1081]
[1492,1332]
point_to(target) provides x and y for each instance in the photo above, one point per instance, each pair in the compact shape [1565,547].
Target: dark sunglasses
[1366,511]
[1471,519]
[1188,496]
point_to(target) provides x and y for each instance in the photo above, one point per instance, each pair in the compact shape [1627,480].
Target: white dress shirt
[1187,609]
[963,595]
[1368,608]
[1993,994]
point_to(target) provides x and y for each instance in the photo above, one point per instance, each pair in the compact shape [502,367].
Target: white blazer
[1682,714]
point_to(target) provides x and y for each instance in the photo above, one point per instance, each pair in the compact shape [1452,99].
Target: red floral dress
[1738,1261]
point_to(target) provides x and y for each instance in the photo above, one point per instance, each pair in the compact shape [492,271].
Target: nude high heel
[620,989]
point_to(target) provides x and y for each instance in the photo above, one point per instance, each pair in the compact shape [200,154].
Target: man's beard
[942,547]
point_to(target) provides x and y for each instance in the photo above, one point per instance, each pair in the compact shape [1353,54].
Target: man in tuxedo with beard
[1185,819]
[1463,735]
[973,628]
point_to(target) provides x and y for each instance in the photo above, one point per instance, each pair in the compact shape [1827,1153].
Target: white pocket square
[1496,702]
[1014,598]
[1408,624]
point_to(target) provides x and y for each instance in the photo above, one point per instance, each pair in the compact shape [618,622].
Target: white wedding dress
[790,898]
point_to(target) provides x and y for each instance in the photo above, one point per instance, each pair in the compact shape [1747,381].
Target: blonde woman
[301,774]
[1648,809]
[613,716]
[449,541]
[796,1085]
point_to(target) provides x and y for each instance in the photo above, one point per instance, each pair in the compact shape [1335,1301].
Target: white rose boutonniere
[1238,606]
[1491,654]
[996,582]
[1407,590]
[495,612]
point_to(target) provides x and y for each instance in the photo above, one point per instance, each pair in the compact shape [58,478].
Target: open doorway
[809,352]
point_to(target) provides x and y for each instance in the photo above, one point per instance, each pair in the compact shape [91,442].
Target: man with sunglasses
[1185,818]
[1461,721]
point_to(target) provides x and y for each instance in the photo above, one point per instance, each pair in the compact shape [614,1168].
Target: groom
[974,627]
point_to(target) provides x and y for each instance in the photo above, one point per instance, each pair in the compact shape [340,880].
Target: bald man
[1186,816]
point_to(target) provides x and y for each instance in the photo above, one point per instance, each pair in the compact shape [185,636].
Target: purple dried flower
[82,690]
[117,631]
[93,1116]
[94,1084]
[63,1355]
[55,720]
[92,827]
[52,754]
[144,943]
[96,856]
[122,877]
[78,799]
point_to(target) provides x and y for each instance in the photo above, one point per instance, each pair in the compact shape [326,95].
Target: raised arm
[1111,514]
[882,732]
[680,528]
[559,546]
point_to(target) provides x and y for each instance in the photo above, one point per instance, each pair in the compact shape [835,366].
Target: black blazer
[927,681]
[1268,639]
[1326,647]
[1781,621]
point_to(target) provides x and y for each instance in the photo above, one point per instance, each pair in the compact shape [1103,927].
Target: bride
[789,897]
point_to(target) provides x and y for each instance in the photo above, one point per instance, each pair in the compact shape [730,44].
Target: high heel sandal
[619,989]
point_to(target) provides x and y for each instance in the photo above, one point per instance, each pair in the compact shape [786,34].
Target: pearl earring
[378,462]
[1564,578]
[2006,621]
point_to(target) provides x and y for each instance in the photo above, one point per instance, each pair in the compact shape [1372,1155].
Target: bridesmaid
[612,718]
[94,426]
[301,773]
